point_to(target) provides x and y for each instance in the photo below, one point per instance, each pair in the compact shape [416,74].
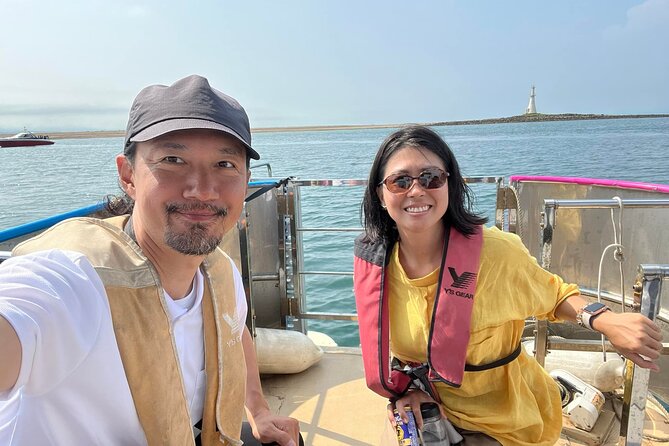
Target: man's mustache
[172,208]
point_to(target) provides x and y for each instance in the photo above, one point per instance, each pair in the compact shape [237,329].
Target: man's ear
[248,178]
[125,175]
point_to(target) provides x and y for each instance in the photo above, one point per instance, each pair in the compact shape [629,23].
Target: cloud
[650,14]
[650,18]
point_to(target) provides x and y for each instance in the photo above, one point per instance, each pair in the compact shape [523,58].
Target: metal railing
[549,222]
[292,228]
[266,165]
[649,276]
[296,294]
[549,215]
[637,378]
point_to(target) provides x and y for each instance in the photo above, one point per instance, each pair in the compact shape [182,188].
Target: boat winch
[581,402]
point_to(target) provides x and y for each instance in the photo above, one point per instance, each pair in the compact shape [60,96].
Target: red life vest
[451,316]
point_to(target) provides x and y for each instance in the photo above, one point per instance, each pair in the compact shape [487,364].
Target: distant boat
[25,139]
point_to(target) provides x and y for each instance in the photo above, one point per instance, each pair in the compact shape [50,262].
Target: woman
[434,287]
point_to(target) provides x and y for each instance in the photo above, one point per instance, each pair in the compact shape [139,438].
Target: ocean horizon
[533,117]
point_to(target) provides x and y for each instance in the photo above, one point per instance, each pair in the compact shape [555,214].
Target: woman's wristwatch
[588,313]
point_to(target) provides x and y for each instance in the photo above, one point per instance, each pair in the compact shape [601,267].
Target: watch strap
[589,312]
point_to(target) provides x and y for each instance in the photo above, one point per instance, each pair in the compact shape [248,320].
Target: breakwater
[541,117]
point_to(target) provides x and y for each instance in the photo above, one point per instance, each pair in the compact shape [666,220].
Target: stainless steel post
[636,378]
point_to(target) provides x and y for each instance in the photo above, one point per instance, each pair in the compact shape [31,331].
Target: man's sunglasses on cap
[400,183]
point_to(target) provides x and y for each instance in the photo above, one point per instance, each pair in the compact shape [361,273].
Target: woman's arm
[635,336]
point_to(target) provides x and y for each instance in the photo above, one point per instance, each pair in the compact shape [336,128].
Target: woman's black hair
[377,222]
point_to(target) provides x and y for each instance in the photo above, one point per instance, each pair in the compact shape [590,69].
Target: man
[130,330]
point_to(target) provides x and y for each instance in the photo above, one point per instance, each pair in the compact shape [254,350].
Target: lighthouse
[531,107]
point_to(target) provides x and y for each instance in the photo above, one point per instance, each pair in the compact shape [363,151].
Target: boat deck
[331,400]
[335,407]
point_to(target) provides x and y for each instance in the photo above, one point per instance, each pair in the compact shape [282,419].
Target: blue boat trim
[38,225]
[261,183]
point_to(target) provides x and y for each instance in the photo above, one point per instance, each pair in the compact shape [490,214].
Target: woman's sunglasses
[400,183]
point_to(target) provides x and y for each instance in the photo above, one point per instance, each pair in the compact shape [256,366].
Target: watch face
[594,307]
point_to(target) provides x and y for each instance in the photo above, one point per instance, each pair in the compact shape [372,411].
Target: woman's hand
[411,401]
[635,336]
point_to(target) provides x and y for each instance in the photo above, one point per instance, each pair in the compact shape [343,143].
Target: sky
[77,64]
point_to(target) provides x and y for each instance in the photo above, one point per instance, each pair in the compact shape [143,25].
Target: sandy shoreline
[511,119]
[121,133]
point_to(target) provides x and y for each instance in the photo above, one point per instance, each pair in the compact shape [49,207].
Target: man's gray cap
[189,103]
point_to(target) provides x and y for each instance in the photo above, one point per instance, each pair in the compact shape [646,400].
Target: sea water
[36,182]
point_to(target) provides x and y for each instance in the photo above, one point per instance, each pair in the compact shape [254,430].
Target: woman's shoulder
[371,250]
[502,245]
[493,236]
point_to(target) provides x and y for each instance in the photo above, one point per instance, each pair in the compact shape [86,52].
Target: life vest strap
[419,377]
[491,365]
[418,372]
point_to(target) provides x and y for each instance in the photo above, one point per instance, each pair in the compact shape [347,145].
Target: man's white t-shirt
[72,388]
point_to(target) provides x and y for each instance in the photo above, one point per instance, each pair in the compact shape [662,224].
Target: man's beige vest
[143,332]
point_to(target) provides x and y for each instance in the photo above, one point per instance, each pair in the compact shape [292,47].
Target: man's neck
[176,277]
[175,270]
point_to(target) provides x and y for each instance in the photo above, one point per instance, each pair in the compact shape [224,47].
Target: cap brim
[172,125]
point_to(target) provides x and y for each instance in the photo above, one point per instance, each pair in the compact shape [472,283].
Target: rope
[618,255]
